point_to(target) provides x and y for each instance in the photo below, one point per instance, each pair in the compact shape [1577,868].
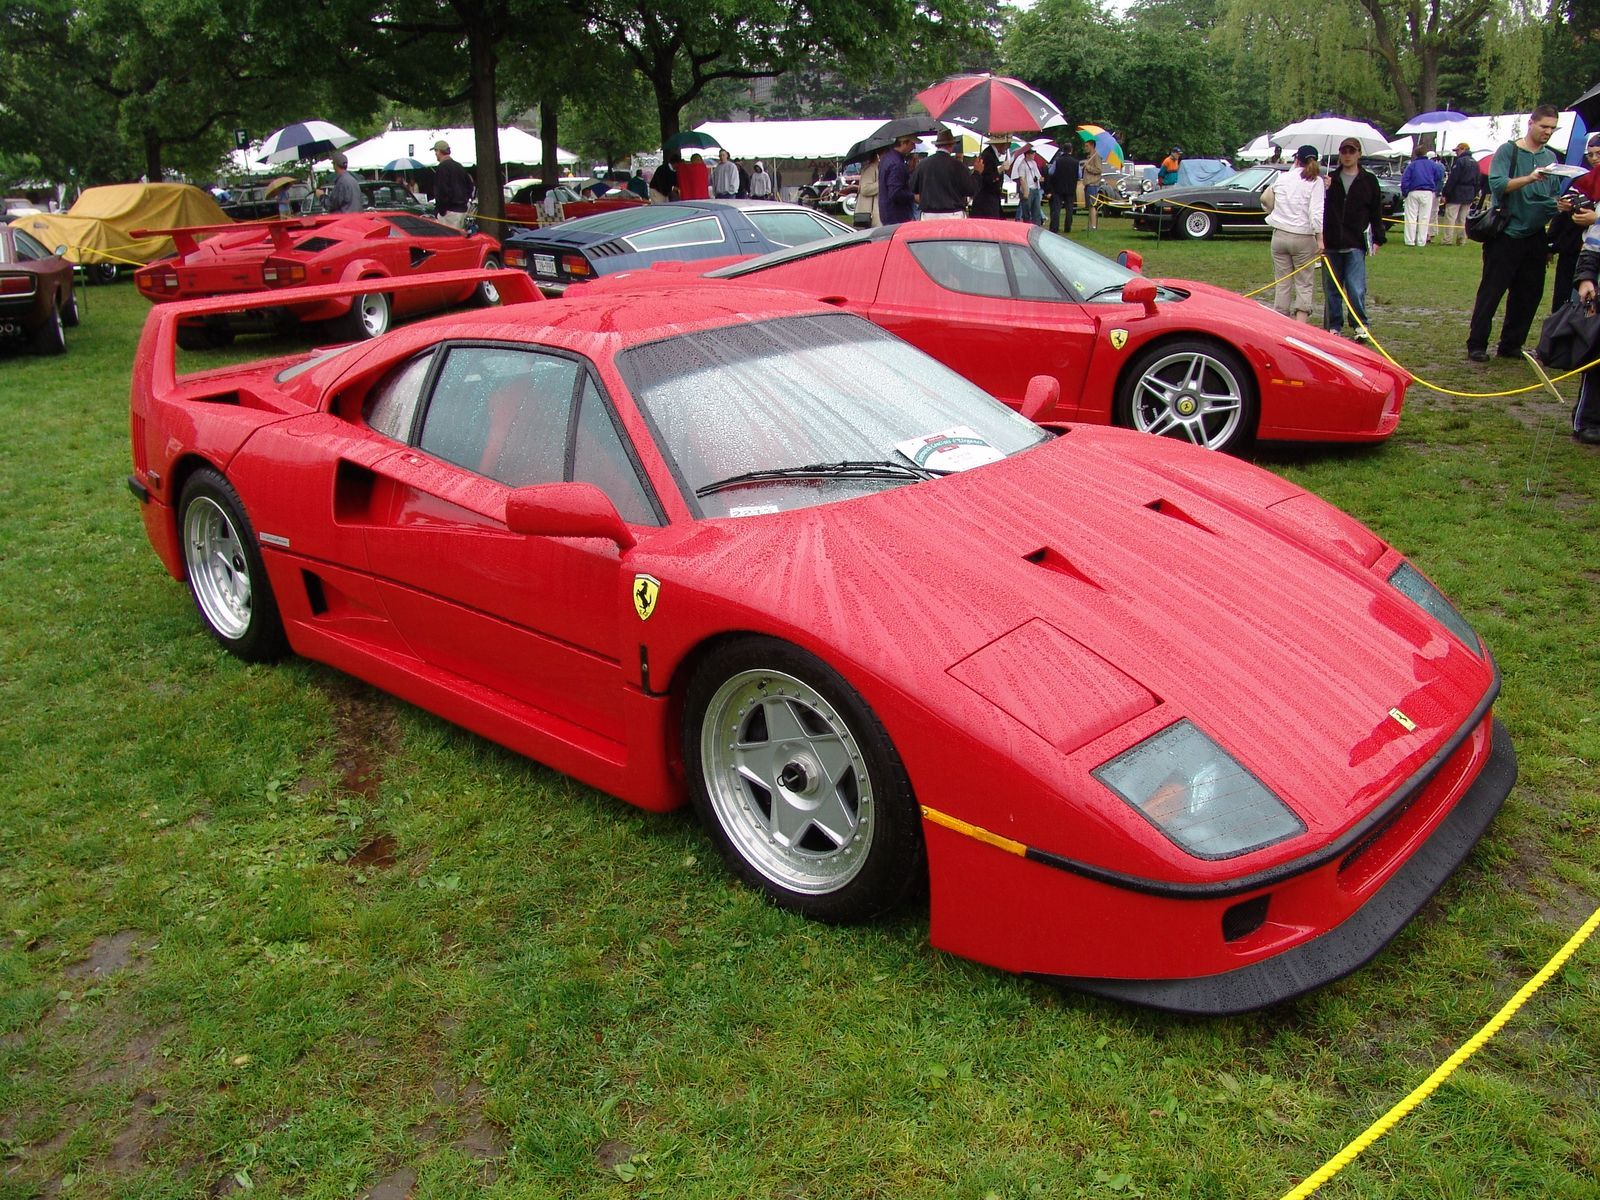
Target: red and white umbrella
[990,104]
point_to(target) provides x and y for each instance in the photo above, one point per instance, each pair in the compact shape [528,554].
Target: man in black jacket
[942,185]
[1061,185]
[1352,228]
[1586,416]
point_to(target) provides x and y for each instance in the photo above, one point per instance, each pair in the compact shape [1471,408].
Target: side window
[788,228]
[502,413]
[703,231]
[971,267]
[1033,281]
[391,407]
[599,457]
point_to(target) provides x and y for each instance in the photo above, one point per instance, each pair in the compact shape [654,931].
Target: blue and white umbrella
[403,164]
[306,141]
[1438,121]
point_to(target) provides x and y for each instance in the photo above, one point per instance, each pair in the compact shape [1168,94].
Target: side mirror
[1131,259]
[566,510]
[1141,291]
[60,251]
[1042,396]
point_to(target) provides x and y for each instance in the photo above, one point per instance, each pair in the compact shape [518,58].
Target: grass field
[265,929]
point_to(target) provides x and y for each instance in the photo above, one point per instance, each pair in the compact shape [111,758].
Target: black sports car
[1232,203]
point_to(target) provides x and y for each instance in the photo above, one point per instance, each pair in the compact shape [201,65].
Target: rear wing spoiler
[187,237]
[158,343]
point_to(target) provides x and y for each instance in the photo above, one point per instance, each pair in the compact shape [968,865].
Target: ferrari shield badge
[1119,338]
[1402,720]
[645,590]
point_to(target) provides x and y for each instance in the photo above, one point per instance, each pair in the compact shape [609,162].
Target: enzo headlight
[1192,790]
[1414,585]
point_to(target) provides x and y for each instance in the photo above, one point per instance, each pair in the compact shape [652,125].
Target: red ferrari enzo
[1002,301]
[1139,719]
[276,256]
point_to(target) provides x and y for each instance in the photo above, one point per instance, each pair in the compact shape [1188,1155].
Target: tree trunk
[486,124]
[549,110]
[669,109]
[152,156]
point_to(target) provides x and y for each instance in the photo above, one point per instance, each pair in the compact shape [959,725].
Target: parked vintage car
[525,206]
[682,231]
[1001,302]
[278,256]
[98,230]
[1229,205]
[36,296]
[1138,719]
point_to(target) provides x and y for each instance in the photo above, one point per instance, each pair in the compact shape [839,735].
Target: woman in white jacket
[1294,211]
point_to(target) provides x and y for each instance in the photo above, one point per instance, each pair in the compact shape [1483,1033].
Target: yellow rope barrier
[1332,276]
[1425,1089]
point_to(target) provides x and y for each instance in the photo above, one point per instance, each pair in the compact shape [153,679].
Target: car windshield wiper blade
[848,469]
[1105,291]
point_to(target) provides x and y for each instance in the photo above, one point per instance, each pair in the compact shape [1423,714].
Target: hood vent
[1050,560]
[1168,509]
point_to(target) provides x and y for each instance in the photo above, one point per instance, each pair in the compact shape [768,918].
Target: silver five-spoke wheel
[798,783]
[226,575]
[1196,391]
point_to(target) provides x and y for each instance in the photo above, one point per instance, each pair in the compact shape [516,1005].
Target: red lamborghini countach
[1001,302]
[1136,718]
[275,256]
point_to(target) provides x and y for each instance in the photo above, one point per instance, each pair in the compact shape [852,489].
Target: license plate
[544,264]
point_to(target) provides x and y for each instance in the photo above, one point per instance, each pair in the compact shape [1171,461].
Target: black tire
[223,566]
[1164,380]
[833,832]
[102,272]
[49,337]
[69,311]
[1198,225]
[486,295]
[369,317]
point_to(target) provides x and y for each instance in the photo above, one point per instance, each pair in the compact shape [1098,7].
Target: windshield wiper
[849,469]
[1098,292]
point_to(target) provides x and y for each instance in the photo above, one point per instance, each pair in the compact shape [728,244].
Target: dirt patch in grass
[108,955]
[364,734]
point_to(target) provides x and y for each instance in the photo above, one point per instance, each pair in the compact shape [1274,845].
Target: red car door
[425,248]
[990,311]
[537,619]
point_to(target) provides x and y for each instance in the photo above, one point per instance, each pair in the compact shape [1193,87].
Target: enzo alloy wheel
[1196,391]
[799,784]
[226,576]
[1199,225]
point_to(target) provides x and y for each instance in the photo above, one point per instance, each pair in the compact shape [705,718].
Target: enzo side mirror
[1131,259]
[566,510]
[1042,396]
[1141,291]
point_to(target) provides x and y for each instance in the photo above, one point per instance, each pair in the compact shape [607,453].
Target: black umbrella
[889,133]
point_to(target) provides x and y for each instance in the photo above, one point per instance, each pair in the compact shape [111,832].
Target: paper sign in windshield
[957,449]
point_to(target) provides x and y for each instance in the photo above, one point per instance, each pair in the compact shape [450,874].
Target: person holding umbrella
[344,196]
[894,182]
[1094,174]
[1295,214]
[452,187]
[990,184]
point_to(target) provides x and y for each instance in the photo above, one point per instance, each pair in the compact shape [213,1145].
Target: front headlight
[1194,791]
[1414,585]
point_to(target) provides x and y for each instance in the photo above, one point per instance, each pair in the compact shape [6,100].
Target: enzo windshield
[791,413]
[1085,272]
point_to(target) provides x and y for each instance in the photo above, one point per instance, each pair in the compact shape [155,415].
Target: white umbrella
[1257,150]
[1326,131]
[304,140]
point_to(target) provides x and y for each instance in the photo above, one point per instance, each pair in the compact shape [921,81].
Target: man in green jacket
[1514,262]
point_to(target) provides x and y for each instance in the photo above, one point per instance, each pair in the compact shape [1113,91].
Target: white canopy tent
[1488,133]
[516,146]
[789,140]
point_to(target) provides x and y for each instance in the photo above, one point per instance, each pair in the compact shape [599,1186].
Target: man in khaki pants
[1461,185]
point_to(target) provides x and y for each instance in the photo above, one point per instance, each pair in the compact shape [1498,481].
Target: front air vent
[1168,509]
[1052,560]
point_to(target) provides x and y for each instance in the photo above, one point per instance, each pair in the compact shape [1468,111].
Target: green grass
[268,929]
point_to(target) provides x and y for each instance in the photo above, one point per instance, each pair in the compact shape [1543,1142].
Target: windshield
[831,395]
[1248,179]
[1089,275]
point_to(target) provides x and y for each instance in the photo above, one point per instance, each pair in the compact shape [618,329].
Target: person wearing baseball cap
[1462,183]
[345,194]
[452,187]
[1169,167]
[1352,228]
[1294,205]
